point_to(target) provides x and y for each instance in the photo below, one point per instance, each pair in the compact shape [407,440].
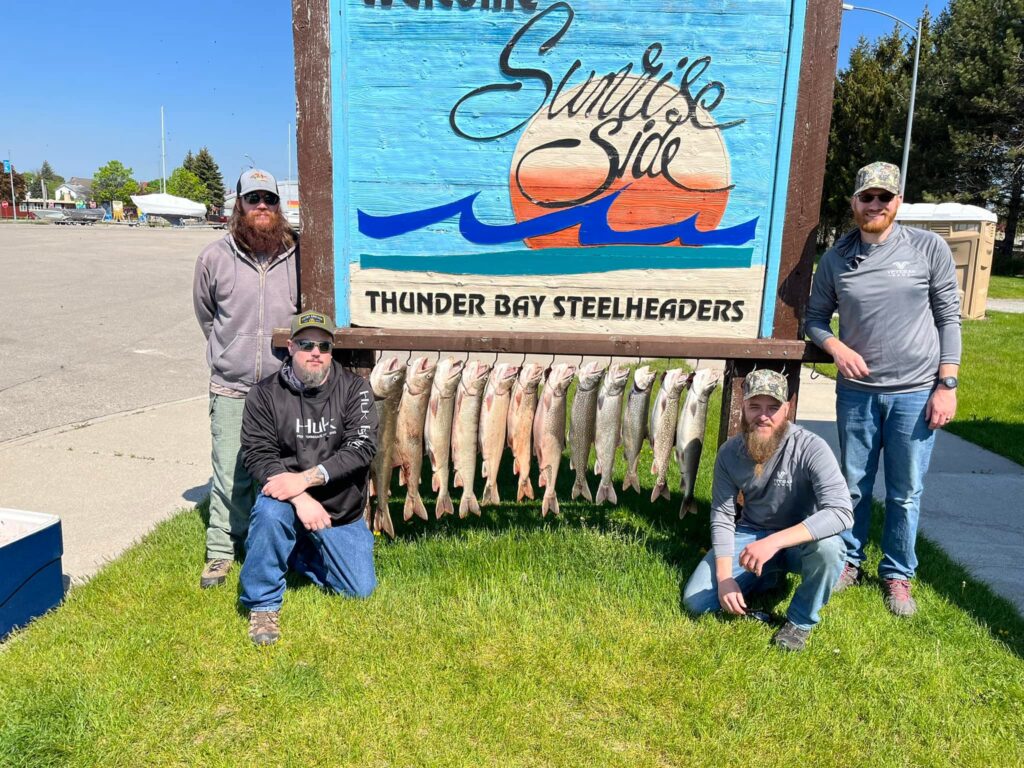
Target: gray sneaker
[791,637]
[215,573]
[897,597]
[264,628]
[850,577]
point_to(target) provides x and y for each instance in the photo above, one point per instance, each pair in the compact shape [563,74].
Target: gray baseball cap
[256,180]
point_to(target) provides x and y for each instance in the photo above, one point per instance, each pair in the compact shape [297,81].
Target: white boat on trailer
[174,209]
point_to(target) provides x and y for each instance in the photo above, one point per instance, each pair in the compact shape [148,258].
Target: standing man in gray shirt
[245,285]
[898,355]
[793,503]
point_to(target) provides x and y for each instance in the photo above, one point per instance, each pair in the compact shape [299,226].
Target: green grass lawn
[1005,287]
[989,399]
[509,641]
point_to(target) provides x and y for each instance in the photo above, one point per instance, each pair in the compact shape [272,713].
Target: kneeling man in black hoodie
[309,433]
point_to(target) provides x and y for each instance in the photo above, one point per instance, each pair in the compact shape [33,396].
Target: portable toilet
[971,234]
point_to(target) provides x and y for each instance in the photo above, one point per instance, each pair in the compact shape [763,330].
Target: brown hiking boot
[215,572]
[897,597]
[791,637]
[850,577]
[263,627]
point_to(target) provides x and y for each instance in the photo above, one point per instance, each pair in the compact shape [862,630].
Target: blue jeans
[894,426]
[339,559]
[818,563]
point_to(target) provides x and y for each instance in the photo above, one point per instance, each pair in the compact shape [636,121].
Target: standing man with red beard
[793,503]
[898,354]
[245,285]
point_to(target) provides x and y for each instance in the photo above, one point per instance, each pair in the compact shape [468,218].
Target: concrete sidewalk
[112,479]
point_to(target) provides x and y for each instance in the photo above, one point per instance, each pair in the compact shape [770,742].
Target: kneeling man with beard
[309,433]
[793,504]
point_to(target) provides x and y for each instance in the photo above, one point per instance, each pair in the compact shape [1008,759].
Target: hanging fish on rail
[465,425]
[386,381]
[662,429]
[634,423]
[607,433]
[437,432]
[549,432]
[412,413]
[690,434]
[493,424]
[582,425]
[521,409]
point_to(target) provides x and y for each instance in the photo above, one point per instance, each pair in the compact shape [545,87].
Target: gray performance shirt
[801,483]
[899,307]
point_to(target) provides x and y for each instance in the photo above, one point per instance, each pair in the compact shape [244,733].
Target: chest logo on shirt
[783,479]
[312,429]
[902,269]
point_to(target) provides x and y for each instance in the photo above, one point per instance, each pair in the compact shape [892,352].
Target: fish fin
[582,488]
[490,495]
[542,479]
[665,493]
[433,404]
[469,504]
[515,465]
[686,508]
[401,475]
[630,481]
[654,467]
[483,468]
[457,480]
[382,521]
[660,490]
[435,482]
[419,508]
[606,492]
[597,466]
[443,506]
[407,510]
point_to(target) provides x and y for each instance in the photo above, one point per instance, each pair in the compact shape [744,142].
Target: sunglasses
[867,197]
[253,198]
[307,345]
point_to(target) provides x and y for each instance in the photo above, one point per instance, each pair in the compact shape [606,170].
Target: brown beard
[761,449]
[877,225]
[273,240]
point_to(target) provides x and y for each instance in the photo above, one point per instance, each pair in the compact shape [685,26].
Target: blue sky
[223,71]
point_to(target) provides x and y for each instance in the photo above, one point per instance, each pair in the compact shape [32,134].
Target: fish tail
[660,490]
[687,507]
[490,495]
[606,492]
[550,504]
[382,521]
[631,481]
[525,488]
[443,506]
[469,504]
[414,506]
[581,487]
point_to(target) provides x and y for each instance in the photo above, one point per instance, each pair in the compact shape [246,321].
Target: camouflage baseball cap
[766,382]
[878,176]
[312,319]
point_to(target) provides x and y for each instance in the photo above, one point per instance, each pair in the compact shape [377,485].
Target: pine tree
[209,173]
[189,163]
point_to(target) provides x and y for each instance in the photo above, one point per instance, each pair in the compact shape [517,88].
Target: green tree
[209,173]
[152,187]
[184,183]
[189,163]
[114,181]
[53,180]
[980,44]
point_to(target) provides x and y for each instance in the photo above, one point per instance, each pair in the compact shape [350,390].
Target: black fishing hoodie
[287,430]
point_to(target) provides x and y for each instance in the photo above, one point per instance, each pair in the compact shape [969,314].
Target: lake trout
[521,409]
[690,434]
[606,430]
[582,426]
[437,432]
[412,413]
[549,432]
[662,429]
[386,381]
[465,424]
[493,423]
[634,423]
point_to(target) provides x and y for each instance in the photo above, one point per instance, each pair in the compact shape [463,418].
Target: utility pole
[163,155]
[10,171]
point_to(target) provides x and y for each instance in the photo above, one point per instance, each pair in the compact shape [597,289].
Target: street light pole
[913,84]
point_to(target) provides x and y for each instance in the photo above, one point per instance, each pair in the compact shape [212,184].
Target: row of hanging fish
[455,410]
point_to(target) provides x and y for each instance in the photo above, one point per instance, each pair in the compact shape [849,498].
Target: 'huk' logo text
[311,429]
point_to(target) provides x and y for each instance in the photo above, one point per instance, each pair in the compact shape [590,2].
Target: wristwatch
[949,382]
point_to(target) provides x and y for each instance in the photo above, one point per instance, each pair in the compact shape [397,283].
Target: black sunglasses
[253,198]
[307,345]
[867,197]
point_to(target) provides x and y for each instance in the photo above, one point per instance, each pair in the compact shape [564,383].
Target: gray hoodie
[238,303]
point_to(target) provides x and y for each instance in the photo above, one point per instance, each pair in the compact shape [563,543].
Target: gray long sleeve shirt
[899,307]
[801,483]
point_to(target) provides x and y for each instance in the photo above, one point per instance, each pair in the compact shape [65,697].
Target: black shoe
[791,637]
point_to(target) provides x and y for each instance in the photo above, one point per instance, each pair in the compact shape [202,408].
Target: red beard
[271,237]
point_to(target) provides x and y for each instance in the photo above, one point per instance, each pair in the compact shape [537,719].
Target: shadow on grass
[1000,437]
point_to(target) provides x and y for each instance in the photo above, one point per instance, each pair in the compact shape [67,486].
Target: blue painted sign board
[572,166]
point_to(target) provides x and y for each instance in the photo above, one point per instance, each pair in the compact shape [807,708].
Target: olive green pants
[232,493]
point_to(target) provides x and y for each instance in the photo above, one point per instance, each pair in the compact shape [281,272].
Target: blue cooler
[31,580]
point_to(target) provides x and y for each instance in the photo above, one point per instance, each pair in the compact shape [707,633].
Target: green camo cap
[878,176]
[766,382]
[312,319]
